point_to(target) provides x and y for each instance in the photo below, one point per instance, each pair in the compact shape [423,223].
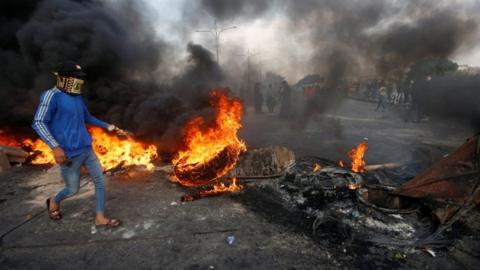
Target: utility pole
[216,31]
[248,55]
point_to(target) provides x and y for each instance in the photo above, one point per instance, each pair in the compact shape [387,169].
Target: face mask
[71,85]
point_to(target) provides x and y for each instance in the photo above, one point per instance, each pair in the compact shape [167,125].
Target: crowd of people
[272,97]
[281,98]
[405,92]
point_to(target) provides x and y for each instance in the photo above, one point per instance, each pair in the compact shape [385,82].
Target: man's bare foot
[53,209]
[101,220]
[54,206]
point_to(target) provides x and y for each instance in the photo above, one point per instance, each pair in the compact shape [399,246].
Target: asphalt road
[161,232]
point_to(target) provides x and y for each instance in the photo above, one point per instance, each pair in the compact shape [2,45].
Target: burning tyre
[202,173]
[211,149]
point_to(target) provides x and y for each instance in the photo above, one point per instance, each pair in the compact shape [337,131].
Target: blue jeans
[71,176]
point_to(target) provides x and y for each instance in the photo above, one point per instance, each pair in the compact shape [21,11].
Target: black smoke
[454,96]
[125,60]
[354,39]
[116,45]
[361,39]
[350,40]
[365,36]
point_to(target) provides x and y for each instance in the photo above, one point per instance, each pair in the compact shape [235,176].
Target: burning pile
[211,150]
[111,150]
[40,153]
[7,139]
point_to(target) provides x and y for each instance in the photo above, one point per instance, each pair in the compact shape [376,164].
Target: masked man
[60,121]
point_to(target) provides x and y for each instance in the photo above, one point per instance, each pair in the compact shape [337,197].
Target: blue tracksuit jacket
[60,121]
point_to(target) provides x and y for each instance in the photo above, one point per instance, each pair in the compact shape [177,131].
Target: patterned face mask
[71,85]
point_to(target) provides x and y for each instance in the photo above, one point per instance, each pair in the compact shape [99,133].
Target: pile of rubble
[401,211]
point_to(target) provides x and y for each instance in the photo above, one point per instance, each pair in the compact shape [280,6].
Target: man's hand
[118,131]
[59,155]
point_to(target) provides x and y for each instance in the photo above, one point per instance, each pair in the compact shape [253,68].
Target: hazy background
[149,69]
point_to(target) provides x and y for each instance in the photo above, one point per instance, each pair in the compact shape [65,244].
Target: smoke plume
[452,97]
[118,49]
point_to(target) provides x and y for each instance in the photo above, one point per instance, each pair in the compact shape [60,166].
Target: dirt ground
[161,232]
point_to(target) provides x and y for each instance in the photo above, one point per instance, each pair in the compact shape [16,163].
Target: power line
[216,31]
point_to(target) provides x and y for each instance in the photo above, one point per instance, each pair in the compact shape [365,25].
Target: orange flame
[341,163]
[354,186]
[7,139]
[356,157]
[111,150]
[206,143]
[316,167]
[42,152]
[222,188]
[43,155]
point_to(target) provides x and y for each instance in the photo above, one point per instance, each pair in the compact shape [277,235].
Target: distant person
[395,95]
[413,113]
[419,88]
[244,97]
[271,102]
[382,98]
[401,97]
[258,98]
[408,91]
[286,93]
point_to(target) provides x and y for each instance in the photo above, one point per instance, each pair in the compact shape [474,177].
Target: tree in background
[434,67]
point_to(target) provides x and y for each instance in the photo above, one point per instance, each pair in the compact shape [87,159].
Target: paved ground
[390,138]
[160,232]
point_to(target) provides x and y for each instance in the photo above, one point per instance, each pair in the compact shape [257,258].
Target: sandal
[53,214]
[112,223]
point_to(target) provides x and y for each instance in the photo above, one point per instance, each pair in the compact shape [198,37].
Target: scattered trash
[128,234]
[93,229]
[355,214]
[173,203]
[211,267]
[431,252]
[147,225]
[399,256]
[187,198]
[230,239]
